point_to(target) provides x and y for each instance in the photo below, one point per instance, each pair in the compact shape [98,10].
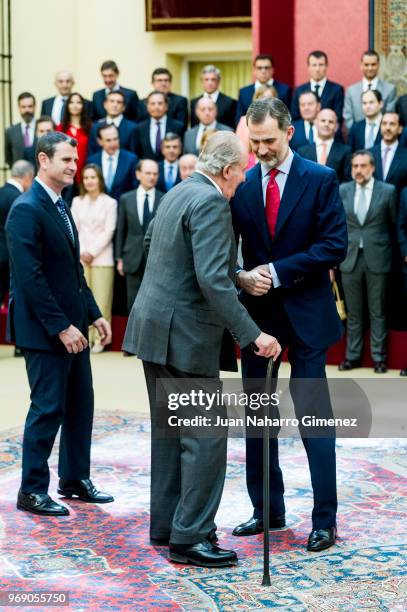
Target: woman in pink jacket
[95,216]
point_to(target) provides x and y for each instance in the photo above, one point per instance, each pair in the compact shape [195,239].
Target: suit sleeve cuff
[276,280]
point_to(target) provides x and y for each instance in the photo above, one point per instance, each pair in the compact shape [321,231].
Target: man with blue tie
[115,105]
[118,166]
[136,210]
[50,309]
[293,230]
[366,133]
[330,94]
[169,176]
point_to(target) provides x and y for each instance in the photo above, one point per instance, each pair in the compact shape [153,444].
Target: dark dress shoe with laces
[211,537]
[380,367]
[203,554]
[403,372]
[347,365]
[320,539]
[255,526]
[84,490]
[40,503]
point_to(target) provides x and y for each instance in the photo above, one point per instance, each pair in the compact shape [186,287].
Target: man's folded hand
[256,282]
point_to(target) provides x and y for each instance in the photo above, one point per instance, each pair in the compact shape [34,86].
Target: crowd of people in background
[132,151]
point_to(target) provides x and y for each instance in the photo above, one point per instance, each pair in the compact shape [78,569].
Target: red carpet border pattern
[102,554]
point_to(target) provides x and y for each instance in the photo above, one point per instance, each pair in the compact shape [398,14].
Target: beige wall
[79,35]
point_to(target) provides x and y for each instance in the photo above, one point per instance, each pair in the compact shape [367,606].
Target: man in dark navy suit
[118,166]
[149,134]
[110,74]
[169,168]
[366,133]
[50,309]
[115,105]
[292,224]
[390,155]
[330,94]
[210,79]
[304,128]
[264,75]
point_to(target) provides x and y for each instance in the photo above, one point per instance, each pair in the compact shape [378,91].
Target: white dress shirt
[389,156]
[368,188]
[31,130]
[281,179]
[211,180]
[153,130]
[53,195]
[106,163]
[257,84]
[201,129]
[321,85]
[373,84]
[213,96]
[15,184]
[141,196]
[115,88]
[319,146]
[57,107]
[376,121]
[114,120]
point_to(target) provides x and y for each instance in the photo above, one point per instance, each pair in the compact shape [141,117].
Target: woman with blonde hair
[95,216]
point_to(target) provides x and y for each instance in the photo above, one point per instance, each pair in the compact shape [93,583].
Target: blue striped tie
[62,211]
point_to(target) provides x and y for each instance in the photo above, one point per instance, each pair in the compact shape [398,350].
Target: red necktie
[272,202]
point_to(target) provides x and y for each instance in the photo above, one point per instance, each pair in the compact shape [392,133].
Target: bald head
[326,124]
[64,82]
[206,111]
[22,172]
[187,165]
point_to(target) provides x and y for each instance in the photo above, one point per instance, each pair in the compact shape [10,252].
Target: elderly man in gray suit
[206,111]
[370,207]
[177,326]
[370,64]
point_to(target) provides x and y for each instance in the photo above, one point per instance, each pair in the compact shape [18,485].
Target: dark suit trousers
[61,396]
[188,464]
[353,287]
[4,280]
[133,282]
[310,394]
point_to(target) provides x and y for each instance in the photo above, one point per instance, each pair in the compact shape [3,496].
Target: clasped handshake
[258,282]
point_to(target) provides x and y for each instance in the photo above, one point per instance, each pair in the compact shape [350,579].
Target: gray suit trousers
[188,464]
[353,286]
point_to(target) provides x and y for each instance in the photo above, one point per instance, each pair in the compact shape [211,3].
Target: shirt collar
[284,167]
[54,196]
[211,126]
[257,83]
[160,121]
[115,120]
[114,155]
[328,142]
[143,192]
[15,184]
[392,147]
[31,125]
[320,83]
[174,164]
[115,88]
[376,121]
[211,180]
[369,185]
[372,83]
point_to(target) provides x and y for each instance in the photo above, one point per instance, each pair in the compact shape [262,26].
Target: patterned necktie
[384,162]
[146,214]
[362,206]
[109,175]
[272,202]
[62,211]
[311,133]
[158,139]
[317,88]
[370,136]
[324,152]
[170,177]
[27,140]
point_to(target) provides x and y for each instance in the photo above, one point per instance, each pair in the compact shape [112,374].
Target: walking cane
[270,387]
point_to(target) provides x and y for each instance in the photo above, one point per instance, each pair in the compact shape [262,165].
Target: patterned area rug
[102,555]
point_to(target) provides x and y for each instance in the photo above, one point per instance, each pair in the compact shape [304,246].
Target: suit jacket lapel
[374,202]
[293,190]
[53,211]
[253,195]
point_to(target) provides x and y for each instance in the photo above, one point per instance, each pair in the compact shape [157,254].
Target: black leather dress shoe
[255,526]
[320,539]
[211,537]
[403,372]
[84,490]
[380,367]
[347,365]
[40,503]
[203,554]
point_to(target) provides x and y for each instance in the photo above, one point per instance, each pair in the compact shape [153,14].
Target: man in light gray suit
[21,135]
[206,111]
[370,207]
[177,326]
[370,64]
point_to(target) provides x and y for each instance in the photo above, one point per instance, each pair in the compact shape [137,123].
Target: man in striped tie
[50,310]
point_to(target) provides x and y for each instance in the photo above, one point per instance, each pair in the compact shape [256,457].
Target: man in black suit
[304,129]
[110,74]
[136,210]
[115,106]
[264,75]
[22,174]
[390,156]
[325,150]
[50,310]
[20,135]
[44,125]
[210,79]
[149,134]
[54,107]
[366,133]
[161,80]
[330,94]
[168,168]
[118,166]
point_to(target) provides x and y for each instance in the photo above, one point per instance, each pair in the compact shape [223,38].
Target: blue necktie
[109,176]
[62,211]
[170,177]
